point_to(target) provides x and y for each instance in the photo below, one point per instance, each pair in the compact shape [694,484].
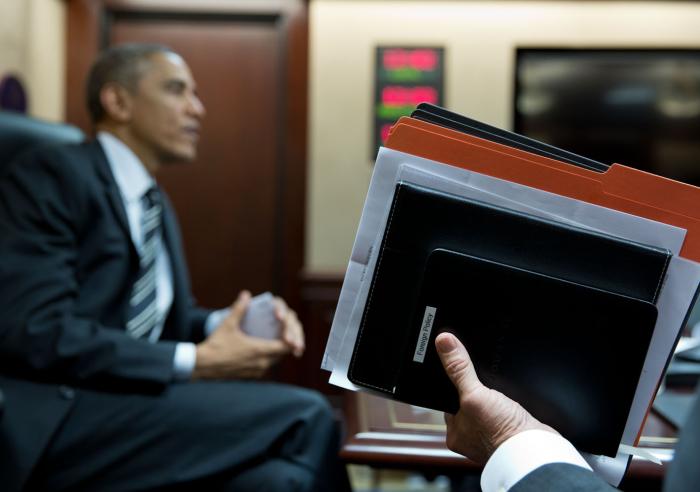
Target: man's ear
[117,102]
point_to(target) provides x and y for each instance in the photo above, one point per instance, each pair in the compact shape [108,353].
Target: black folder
[454,121]
[557,317]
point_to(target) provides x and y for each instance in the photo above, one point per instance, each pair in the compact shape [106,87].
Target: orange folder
[620,187]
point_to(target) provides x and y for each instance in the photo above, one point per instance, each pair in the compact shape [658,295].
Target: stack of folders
[568,280]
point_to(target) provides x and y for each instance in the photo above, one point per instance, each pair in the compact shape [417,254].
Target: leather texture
[545,309]
[19,132]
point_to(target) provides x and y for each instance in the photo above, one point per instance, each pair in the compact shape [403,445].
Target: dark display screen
[637,107]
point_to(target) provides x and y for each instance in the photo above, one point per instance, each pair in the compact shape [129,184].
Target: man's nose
[196,107]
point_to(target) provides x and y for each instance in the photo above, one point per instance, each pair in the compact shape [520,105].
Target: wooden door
[241,204]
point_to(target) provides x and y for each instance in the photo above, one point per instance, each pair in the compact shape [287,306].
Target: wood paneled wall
[319,298]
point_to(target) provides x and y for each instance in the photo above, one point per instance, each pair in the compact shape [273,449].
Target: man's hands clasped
[229,353]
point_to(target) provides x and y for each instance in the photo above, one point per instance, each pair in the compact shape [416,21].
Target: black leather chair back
[19,132]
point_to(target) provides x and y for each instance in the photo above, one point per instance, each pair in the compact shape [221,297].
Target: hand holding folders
[569,308]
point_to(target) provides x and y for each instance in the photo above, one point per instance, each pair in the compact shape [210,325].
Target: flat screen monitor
[636,107]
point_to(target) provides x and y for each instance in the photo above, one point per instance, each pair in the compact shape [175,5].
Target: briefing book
[567,286]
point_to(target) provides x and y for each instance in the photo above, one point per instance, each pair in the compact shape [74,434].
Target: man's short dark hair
[123,64]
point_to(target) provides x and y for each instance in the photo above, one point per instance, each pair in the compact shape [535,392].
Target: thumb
[457,363]
[239,307]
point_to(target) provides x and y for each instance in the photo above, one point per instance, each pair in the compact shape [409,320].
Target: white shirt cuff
[524,453]
[184,361]
[214,319]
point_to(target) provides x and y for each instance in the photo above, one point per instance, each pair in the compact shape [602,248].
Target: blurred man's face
[166,111]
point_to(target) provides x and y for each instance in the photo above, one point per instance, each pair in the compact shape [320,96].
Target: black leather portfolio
[557,317]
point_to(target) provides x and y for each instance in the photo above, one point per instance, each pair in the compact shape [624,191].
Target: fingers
[457,364]
[293,335]
[256,369]
[239,307]
[266,356]
[267,348]
[280,308]
[292,330]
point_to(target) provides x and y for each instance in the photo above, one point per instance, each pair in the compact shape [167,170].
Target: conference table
[383,433]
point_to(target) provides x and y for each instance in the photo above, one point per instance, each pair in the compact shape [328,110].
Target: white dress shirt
[524,453]
[133,181]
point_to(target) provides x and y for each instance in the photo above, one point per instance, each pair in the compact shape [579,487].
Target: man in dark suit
[113,378]
[522,454]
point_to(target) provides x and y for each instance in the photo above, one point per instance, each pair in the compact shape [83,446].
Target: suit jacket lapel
[111,190]
[175,326]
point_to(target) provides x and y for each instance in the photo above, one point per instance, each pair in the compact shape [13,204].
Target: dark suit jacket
[683,473]
[67,265]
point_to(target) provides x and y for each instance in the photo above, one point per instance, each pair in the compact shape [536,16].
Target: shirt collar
[129,172]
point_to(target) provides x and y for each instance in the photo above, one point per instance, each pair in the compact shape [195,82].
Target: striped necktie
[143,312]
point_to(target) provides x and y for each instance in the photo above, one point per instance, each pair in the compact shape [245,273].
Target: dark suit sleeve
[197,319]
[44,206]
[684,472]
[564,477]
